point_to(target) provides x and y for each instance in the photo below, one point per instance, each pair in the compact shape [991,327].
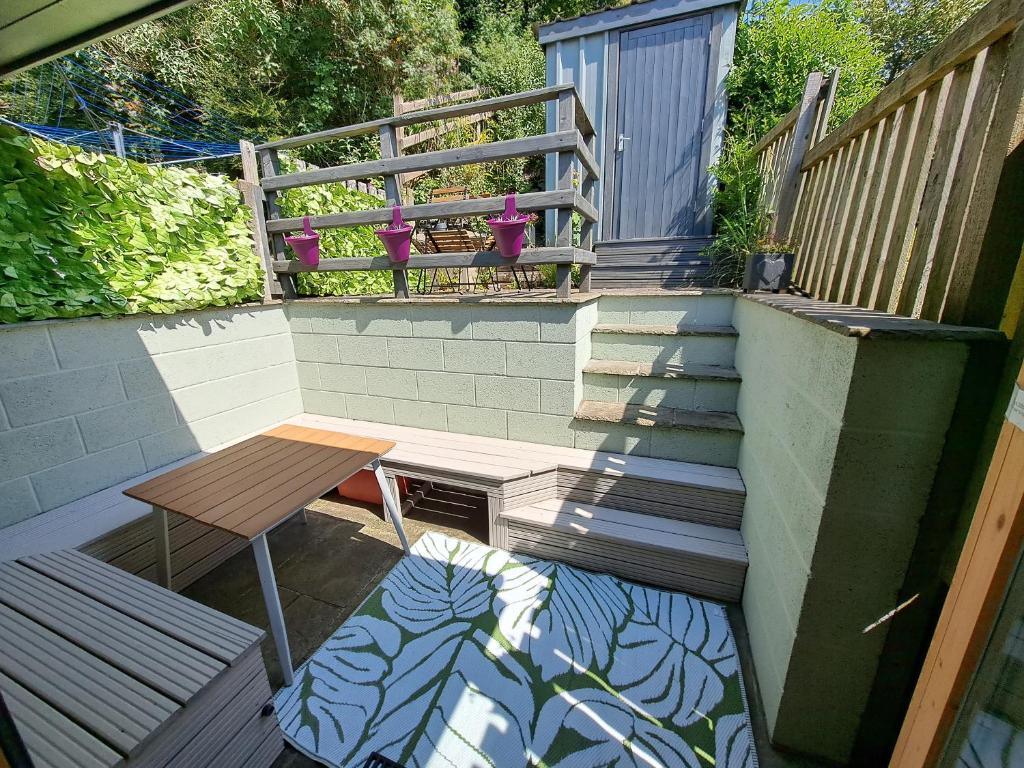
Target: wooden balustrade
[899,208]
[573,143]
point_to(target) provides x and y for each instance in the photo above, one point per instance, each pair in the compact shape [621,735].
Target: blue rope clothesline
[157,123]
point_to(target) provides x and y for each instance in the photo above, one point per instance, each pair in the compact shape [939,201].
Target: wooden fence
[901,207]
[437,128]
[571,143]
[780,152]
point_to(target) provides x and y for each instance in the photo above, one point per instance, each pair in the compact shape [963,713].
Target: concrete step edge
[657,416]
[662,370]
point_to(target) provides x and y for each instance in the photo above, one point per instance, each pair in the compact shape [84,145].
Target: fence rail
[898,208]
[572,144]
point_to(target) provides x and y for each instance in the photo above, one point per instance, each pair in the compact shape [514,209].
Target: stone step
[671,433]
[700,559]
[688,307]
[670,386]
[663,345]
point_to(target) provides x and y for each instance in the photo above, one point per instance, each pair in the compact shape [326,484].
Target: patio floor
[327,567]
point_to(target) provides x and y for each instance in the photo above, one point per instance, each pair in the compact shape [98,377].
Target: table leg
[273,602]
[390,504]
[162,540]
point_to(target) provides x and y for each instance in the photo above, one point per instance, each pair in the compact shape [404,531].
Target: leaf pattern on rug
[468,656]
[668,655]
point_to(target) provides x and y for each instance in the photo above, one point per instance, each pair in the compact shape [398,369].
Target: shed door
[663,72]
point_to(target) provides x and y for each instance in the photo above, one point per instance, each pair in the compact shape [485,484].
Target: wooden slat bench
[512,475]
[100,668]
[671,524]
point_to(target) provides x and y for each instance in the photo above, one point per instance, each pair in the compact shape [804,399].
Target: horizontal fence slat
[529,256]
[536,96]
[531,201]
[444,158]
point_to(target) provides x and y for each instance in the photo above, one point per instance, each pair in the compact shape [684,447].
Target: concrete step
[694,387]
[670,433]
[692,307]
[700,559]
[663,345]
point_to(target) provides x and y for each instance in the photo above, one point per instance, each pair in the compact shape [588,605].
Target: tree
[778,44]
[285,67]
[904,30]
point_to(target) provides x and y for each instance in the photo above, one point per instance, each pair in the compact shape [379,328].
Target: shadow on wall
[86,404]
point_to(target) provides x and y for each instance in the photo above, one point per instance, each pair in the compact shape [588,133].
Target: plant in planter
[742,255]
[769,267]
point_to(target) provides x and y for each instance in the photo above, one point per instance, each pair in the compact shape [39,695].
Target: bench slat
[51,739]
[113,706]
[162,663]
[209,631]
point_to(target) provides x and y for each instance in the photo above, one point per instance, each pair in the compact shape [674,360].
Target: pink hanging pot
[397,236]
[509,229]
[307,245]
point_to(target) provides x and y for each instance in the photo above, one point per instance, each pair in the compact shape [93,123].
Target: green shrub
[779,44]
[84,234]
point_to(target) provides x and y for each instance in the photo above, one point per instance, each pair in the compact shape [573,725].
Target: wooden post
[789,184]
[399,106]
[393,190]
[972,605]
[252,193]
[270,165]
[589,192]
[564,169]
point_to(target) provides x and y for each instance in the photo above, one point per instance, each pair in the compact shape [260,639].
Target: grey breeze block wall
[88,403]
[842,439]
[509,369]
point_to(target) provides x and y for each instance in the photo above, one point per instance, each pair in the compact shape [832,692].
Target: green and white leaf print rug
[466,656]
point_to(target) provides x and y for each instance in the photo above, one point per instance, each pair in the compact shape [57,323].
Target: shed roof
[619,14]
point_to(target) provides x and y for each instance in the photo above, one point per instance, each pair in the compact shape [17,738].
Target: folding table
[250,488]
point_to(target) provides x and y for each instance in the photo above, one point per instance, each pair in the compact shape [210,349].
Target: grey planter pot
[768,272]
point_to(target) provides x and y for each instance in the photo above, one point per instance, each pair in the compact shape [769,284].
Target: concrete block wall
[509,369]
[842,439]
[88,403]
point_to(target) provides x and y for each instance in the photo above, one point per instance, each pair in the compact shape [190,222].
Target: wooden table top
[252,486]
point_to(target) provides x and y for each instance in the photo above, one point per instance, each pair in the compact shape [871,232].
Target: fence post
[789,184]
[270,165]
[564,168]
[252,193]
[393,190]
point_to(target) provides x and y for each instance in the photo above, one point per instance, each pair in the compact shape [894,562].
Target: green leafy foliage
[778,44]
[904,30]
[741,219]
[287,67]
[84,234]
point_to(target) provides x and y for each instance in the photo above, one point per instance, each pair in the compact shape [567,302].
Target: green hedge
[86,234]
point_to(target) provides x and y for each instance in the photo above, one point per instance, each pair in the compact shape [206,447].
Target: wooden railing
[900,208]
[572,143]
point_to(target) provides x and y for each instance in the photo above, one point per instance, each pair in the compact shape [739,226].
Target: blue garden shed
[652,75]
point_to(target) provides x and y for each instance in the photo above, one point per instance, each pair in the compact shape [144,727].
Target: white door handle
[622,142]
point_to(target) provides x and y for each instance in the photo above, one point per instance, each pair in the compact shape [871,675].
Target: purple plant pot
[396,238]
[509,229]
[307,245]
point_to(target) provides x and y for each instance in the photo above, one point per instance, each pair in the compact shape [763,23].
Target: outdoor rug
[466,656]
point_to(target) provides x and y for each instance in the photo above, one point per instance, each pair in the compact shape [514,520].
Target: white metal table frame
[265,567]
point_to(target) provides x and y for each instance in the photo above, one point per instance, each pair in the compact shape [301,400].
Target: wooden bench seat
[687,556]
[512,474]
[100,668]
